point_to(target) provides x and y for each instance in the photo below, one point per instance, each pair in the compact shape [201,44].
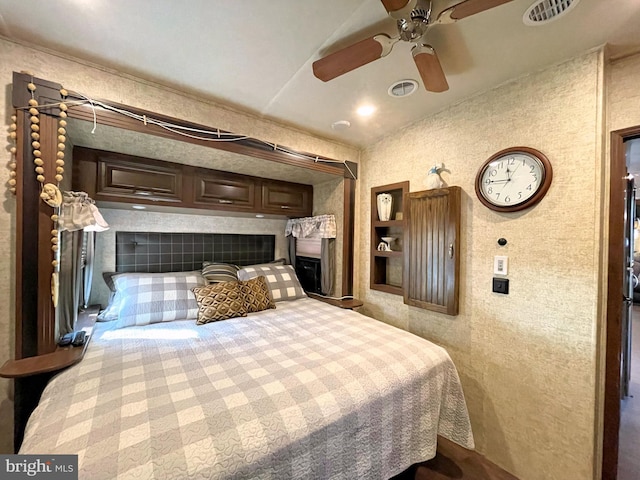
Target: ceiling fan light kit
[413,20]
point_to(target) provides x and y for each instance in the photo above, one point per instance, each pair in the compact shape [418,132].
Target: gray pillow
[156,297]
[281,279]
[215,272]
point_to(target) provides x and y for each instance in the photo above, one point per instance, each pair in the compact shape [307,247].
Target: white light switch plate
[500,264]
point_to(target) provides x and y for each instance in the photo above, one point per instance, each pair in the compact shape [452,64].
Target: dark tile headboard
[182,252]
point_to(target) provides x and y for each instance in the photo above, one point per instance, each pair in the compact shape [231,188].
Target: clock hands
[499,181]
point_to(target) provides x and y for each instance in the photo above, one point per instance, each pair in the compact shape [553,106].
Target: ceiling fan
[414,18]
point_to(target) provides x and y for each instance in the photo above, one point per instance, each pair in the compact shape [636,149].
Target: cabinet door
[283,198]
[116,177]
[432,249]
[224,191]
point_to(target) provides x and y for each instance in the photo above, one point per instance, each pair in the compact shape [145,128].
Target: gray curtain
[292,250]
[70,280]
[89,252]
[327,265]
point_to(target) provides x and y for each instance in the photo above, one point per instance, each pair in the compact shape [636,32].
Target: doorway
[617,361]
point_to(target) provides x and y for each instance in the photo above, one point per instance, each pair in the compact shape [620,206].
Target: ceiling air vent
[545,11]
[403,88]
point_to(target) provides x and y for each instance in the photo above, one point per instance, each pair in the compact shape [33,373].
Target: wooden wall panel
[432,243]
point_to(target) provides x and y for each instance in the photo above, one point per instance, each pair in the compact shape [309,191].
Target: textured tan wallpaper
[624,93]
[104,83]
[527,359]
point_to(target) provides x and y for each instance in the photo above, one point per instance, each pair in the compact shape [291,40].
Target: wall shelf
[386,266]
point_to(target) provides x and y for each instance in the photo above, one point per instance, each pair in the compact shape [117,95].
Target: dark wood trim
[346,303]
[46,319]
[49,92]
[378,270]
[348,235]
[615,272]
[250,146]
[62,357]
[22,310]
[27,227]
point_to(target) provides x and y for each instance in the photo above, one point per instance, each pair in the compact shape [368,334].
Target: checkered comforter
[304,391]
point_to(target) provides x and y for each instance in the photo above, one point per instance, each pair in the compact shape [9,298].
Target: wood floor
[455,462]
[629,447]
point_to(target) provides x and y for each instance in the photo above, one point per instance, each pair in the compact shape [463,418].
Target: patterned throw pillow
[156,297]
[219,301]
[256,294]
[281,279]
[220,272]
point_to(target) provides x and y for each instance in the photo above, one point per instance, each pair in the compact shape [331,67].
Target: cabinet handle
[451,250]
[285,207]
[224,201]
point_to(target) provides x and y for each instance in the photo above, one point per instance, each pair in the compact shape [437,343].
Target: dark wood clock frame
[539,195]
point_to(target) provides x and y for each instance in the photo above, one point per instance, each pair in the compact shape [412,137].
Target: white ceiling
[257,55]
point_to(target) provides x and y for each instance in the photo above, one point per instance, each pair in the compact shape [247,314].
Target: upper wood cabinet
[432,249]
[117,176]
[284,198]
[114,177]
[224,190]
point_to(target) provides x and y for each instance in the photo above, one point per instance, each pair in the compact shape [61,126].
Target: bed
[303,390]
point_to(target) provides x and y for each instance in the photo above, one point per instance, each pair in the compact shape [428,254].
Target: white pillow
[147,298]
[282,280]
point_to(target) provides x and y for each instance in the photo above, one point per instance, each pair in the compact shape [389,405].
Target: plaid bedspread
[304,391]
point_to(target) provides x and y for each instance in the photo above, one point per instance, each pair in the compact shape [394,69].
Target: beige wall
[527,359]
[624,93]
[103,83]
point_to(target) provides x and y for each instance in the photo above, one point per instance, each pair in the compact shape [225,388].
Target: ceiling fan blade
[399,8]
[467,8]
[393,5]
[430,68]
[352,57]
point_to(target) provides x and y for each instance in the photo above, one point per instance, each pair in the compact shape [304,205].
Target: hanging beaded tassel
[49,193]
[13,134]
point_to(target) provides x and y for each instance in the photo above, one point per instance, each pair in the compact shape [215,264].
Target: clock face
[513,179]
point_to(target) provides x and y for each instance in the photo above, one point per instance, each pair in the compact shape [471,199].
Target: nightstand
[347,303]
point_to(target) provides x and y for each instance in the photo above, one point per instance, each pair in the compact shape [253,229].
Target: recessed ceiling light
[341,125]
[544,11]
[366,110]
[402,88]
[138,207]
[259,215]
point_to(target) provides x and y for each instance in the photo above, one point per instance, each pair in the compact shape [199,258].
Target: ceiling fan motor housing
[414,27]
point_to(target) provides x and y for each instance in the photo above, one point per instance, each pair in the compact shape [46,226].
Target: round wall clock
[513,179]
